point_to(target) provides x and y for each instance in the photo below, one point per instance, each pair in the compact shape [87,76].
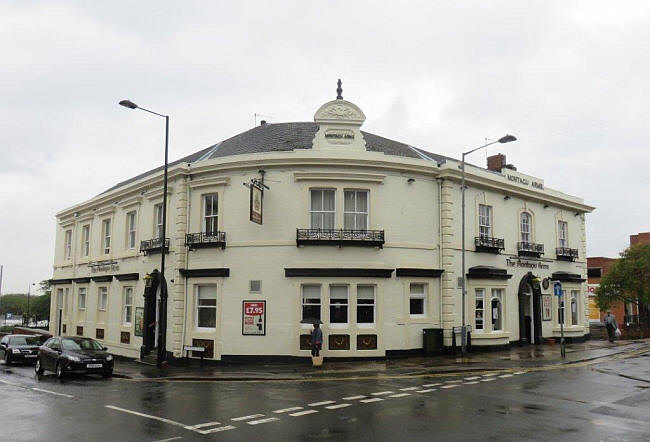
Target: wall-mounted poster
[547,308]
[256,198]
[139,321]
[253,318]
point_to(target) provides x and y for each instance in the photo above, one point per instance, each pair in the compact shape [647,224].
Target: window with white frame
[85,240]
[479,309]
[102,300]
[127,306]
[68,244]
[339,304]
[525,227]
[563,234]
[575,307]
[417,300]
[322,210]
[355,210]
[106,234]
[210,214]
[158,220]
[82,298]
[366,304]
[497,309]
[484,221]
[311,302]
[206,306]
[560,308]
[130,230]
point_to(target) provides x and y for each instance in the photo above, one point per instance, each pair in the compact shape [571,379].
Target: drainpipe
[439,181]
[187,259]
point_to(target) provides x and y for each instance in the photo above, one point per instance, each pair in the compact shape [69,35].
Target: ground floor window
[82,298]
[497,309]
[206,306]
[365,304]
[127,305]
[417,300]
[479,297]
[102,299]
[575,302]
[310,302]
[338,304]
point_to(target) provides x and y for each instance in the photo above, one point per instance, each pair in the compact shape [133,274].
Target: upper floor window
[106,233]
[158,220]
[323,208]
[68,244]
[85,240]
[130,230]
[563,234]
[417,300]
[210,214]
[355,216]
[525,227]
[311,302]
[484,221]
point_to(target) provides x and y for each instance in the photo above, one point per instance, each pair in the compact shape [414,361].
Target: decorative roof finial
[339,90]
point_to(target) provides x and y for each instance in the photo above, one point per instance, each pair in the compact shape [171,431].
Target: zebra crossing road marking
[207,424]
[316,404]
[470,383]
[506,376]
[217,430]
[488,379]
[408,389]
[263,421]
[245,418]
[432,385]
[374,399]
[285,410]
[472,378]
[353,398]
[302,413]
[381,393]
[334,407]
[426,391]
[399,395]
[450,386]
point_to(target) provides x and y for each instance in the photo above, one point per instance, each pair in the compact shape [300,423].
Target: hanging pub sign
[547,310]
[253,318]
[256,201]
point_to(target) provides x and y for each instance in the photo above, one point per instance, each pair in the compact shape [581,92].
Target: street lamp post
[162,314]
[29,291]
[463,333]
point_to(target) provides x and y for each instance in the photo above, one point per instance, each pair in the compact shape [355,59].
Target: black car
[65,355]
[19,348]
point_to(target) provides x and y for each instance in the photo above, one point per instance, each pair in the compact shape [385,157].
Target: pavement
[514,358]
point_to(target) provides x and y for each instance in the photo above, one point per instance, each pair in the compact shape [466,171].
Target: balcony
[566,254]
[530,249]
[340,238]
[151,246]
[488,244]
[204,240]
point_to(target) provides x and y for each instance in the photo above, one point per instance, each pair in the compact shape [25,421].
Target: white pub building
[353,229]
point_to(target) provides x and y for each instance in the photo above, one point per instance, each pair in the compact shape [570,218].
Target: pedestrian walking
[612,327]
[316,340]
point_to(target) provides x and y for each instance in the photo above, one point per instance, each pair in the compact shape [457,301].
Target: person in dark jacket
[316,340]
[610,324]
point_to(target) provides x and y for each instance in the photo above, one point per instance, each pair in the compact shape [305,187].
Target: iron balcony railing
[340,237]
[150,246]
[530,249]
[630,319]
[489,244]
[566,254]
[205,239]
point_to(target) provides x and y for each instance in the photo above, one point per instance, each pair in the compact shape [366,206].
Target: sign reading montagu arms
[102,266]
[510,262]
[525,181]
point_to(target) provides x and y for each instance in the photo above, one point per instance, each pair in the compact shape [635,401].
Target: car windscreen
[24,340]
[80,344]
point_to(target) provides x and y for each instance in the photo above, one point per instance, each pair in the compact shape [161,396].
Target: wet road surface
[607,401]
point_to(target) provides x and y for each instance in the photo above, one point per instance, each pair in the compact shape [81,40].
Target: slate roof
[284,137]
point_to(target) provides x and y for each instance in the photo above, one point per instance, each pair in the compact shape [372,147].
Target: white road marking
[244,418]
[408,389]
[519,372]
[473,378]
[52,392]
[9,383]
[489,374]
[302,413]
[217,430]
[450,386]
[263,421]
[284,410]
[454,382]
[334,407]
[432,385]
[148,416]
[400,395]
[470,383]
[381,393]
[169,439]
[506,376]
[488,379]
[207,424]
[375,399]
[353,398]
[426,391]
[316,404]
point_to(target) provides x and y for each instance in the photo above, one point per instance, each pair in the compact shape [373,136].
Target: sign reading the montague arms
[525,181]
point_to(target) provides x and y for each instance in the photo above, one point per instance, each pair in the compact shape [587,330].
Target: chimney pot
[496,162]
[263,123]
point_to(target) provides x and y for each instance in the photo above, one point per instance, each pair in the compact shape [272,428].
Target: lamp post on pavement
[162,315]
[29,291]
[504,139]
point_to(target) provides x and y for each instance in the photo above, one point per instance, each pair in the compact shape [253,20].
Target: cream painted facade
[412,197]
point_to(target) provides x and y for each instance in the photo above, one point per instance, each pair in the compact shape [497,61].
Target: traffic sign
[557,288]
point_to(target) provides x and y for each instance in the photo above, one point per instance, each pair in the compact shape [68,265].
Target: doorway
[530,310]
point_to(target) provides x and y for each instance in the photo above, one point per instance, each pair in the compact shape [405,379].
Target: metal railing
[371,238]
[530,248]
[205,239]
[149,246]
[566,253]
[631,319]
[487,243]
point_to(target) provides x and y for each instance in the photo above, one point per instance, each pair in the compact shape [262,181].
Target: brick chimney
[496,162]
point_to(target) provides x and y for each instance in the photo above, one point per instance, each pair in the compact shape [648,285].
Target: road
[605,400]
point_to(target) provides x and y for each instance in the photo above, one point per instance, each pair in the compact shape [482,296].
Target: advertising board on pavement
[254,318]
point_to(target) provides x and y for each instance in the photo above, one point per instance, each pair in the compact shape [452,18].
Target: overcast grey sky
[568,78]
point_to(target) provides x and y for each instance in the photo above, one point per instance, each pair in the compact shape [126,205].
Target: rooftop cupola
[339,125]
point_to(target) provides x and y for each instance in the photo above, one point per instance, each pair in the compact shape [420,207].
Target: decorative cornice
[339,176]
[338,272]
[130,202]
[206,182]
[157,193]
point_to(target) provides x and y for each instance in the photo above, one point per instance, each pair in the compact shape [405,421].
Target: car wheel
[38,368]
[107,374]
[59,370]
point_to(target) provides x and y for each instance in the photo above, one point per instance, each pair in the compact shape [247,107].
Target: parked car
[19,348]
[66,355]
